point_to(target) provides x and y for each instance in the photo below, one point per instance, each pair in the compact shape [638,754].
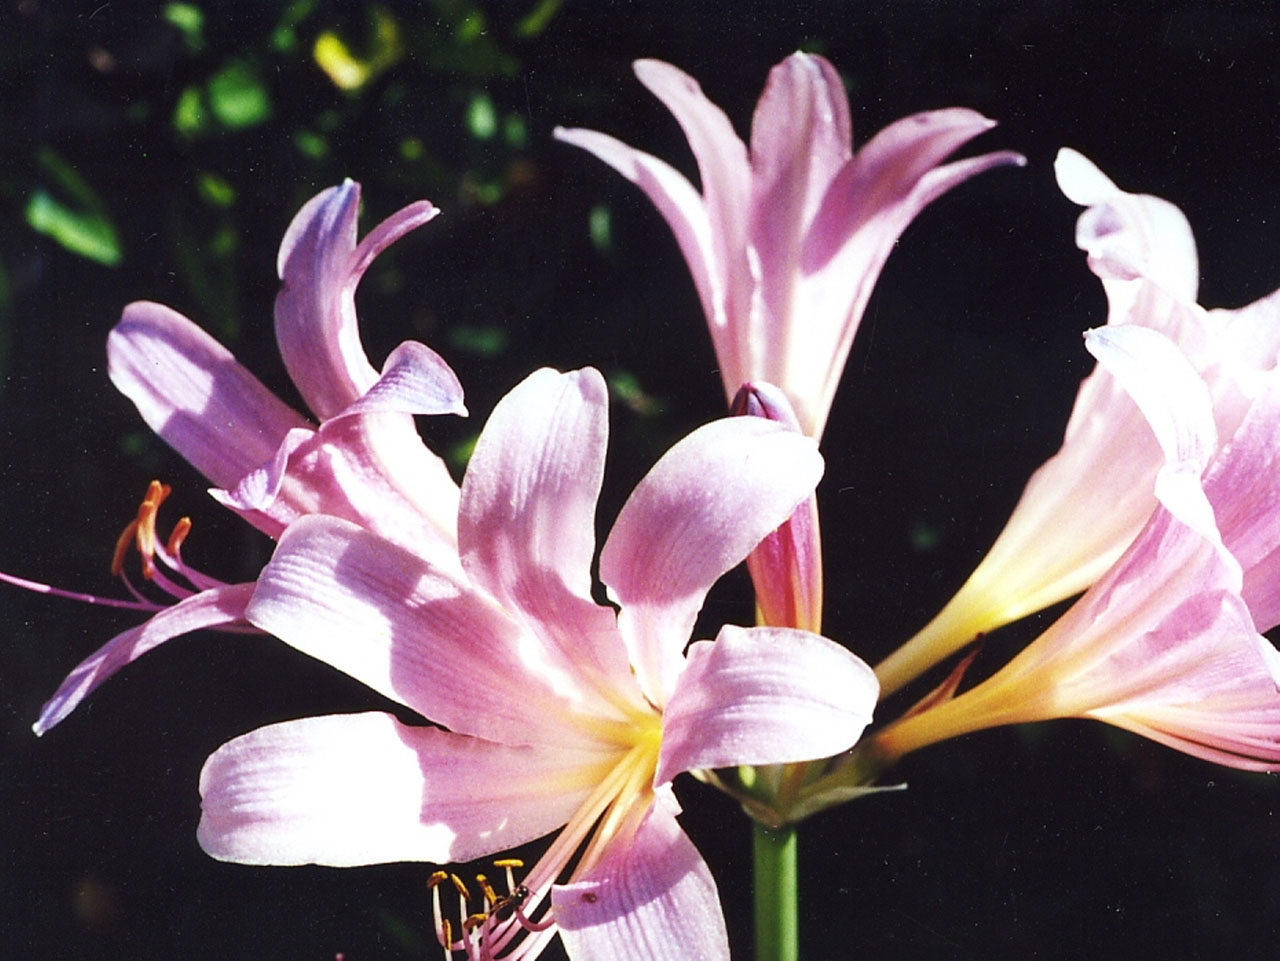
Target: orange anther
[122,548]
[178,535]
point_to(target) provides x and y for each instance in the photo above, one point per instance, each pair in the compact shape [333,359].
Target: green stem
[777,891]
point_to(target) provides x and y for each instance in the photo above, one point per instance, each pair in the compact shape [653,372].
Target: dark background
[1059,841]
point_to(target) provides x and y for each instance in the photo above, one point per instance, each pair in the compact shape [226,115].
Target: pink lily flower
[785,242]
[556,711]
[361,459]
[1084,506]
[1165,644]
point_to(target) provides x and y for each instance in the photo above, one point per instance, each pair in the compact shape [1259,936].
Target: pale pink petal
[1176,404]
[219,607]
[705,505]
[365,789]
[415,380]
[1201,680]
[372,470]
[801,137]
[526,527]
[414,633]
[1243,484]
[722,166]
[191,391]
[1129,236]
[764,695]
[320,266]
[256,495]
[650,896]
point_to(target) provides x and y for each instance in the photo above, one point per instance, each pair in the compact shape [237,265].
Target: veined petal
[1243,484]
[722,165]
[650,896]
[320,266]
[372,470]
[365,789]
[213,608]
[414,380]
[526,527]
[699,512]
[191,391]
[764,695]
[801,137]
[1129,236]
[413,632]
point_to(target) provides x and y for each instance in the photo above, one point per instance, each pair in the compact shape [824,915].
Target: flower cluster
[538,709]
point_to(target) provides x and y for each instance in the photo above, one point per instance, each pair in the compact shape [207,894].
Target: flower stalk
[776,892]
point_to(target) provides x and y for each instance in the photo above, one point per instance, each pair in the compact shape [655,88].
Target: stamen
[178,536]
[126,538]
[146,525]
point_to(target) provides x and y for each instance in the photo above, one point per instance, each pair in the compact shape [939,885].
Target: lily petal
[1129,236]
[701,509]
[650,898]
[217,607]
[320,267]
[412,632]
[526,527]
[722,166]
[191,391]
[1241,485]
[764,695]
[415,380]
[365,789]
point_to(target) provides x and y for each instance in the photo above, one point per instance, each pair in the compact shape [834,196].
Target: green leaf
[215,190]
[481,341]
[600,228]
[238,97]
[189,19]
[482,116]
[189,117]
[90,235]
[70,212]
[533,23]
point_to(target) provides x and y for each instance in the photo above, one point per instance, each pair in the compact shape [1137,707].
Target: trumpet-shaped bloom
[557,711]
[1084,506]
[361,460]
[786,240]
[1166,643]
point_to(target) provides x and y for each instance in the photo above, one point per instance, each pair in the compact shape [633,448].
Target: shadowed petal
[650,898]
[217,607]
[764,695]
[526,526]
[412,632]
[365,789]
[704,506]
[722,166]
[191,391]
[320,266]
[414,380]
